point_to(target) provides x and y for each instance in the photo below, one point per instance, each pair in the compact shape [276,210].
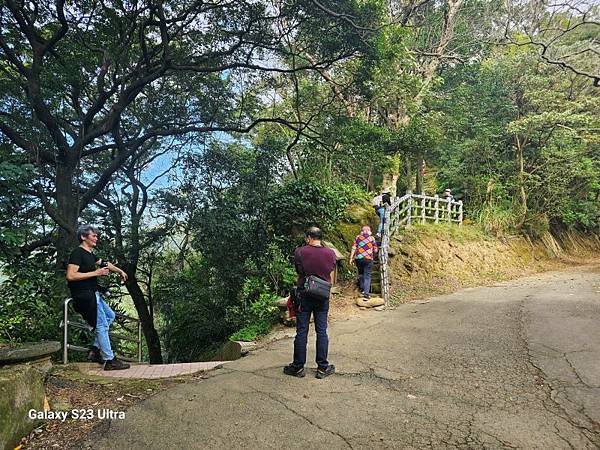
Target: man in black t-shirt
[83,271]
[312,259]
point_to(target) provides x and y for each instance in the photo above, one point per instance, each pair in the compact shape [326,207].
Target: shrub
[30,301]
[262,314]
[193,312]
[299,204]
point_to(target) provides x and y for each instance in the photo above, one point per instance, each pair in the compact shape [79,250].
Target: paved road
[513,365]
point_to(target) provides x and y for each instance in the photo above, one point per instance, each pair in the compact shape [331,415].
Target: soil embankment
[437,259]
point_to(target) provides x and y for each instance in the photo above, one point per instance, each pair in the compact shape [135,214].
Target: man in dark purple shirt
[312,259]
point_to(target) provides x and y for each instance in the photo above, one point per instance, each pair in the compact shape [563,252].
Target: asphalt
[514,365]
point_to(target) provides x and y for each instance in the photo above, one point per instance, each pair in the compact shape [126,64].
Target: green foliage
[262,314]
[506,101]
[296,205]
[30,301]
[272,276]
[239,267]
[475,158]
[378,102]
[496,219]
[15,206]
[251,332]
[194,315]
[422,133]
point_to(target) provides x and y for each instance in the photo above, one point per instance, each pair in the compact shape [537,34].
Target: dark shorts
[84,302]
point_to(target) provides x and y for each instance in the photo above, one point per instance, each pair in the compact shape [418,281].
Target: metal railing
[407,210]
[66,323]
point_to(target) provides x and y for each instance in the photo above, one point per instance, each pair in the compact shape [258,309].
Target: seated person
[82,277]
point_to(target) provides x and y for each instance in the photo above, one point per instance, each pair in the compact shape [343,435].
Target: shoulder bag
[317,288]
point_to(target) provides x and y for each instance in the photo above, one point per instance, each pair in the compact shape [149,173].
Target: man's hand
[118,270]
[102,271]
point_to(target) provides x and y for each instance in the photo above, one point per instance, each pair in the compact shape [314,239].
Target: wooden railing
[413,208]
[406,211]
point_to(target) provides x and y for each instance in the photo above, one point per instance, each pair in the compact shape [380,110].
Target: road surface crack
[566,356]
[307,419]
[566,415]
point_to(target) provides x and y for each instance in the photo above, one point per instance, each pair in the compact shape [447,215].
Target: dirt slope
[434,259]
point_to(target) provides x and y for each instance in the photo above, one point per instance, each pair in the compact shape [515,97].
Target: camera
[103,264]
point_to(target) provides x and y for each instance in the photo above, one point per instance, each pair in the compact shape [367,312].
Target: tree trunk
[408,174]
[420,175]
[150,333]
[521,180]
[447,32]
[66,213]
[390,177]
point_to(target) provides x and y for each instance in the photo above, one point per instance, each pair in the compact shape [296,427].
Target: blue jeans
[319,309]
[381,214]
[104,318]
[365,266]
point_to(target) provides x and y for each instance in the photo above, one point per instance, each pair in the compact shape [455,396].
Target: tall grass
[496,220]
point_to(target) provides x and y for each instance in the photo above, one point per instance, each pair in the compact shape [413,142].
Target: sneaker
[322,373]
[294,371]
[94,355]
[115,364]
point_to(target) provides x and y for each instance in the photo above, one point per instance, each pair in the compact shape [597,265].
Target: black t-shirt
[87,263]
[386,199]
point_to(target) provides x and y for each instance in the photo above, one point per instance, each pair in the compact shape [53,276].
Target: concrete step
[147,371]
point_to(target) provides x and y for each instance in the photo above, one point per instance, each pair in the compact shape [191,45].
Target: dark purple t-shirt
[318,261]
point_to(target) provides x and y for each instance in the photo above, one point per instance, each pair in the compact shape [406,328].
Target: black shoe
[322,373]
[294,371]
[115,364]
[94,355]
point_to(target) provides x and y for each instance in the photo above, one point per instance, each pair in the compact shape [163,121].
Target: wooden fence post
[437,209]
[409,211]
[396,217]
[423,209]
[460,212]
